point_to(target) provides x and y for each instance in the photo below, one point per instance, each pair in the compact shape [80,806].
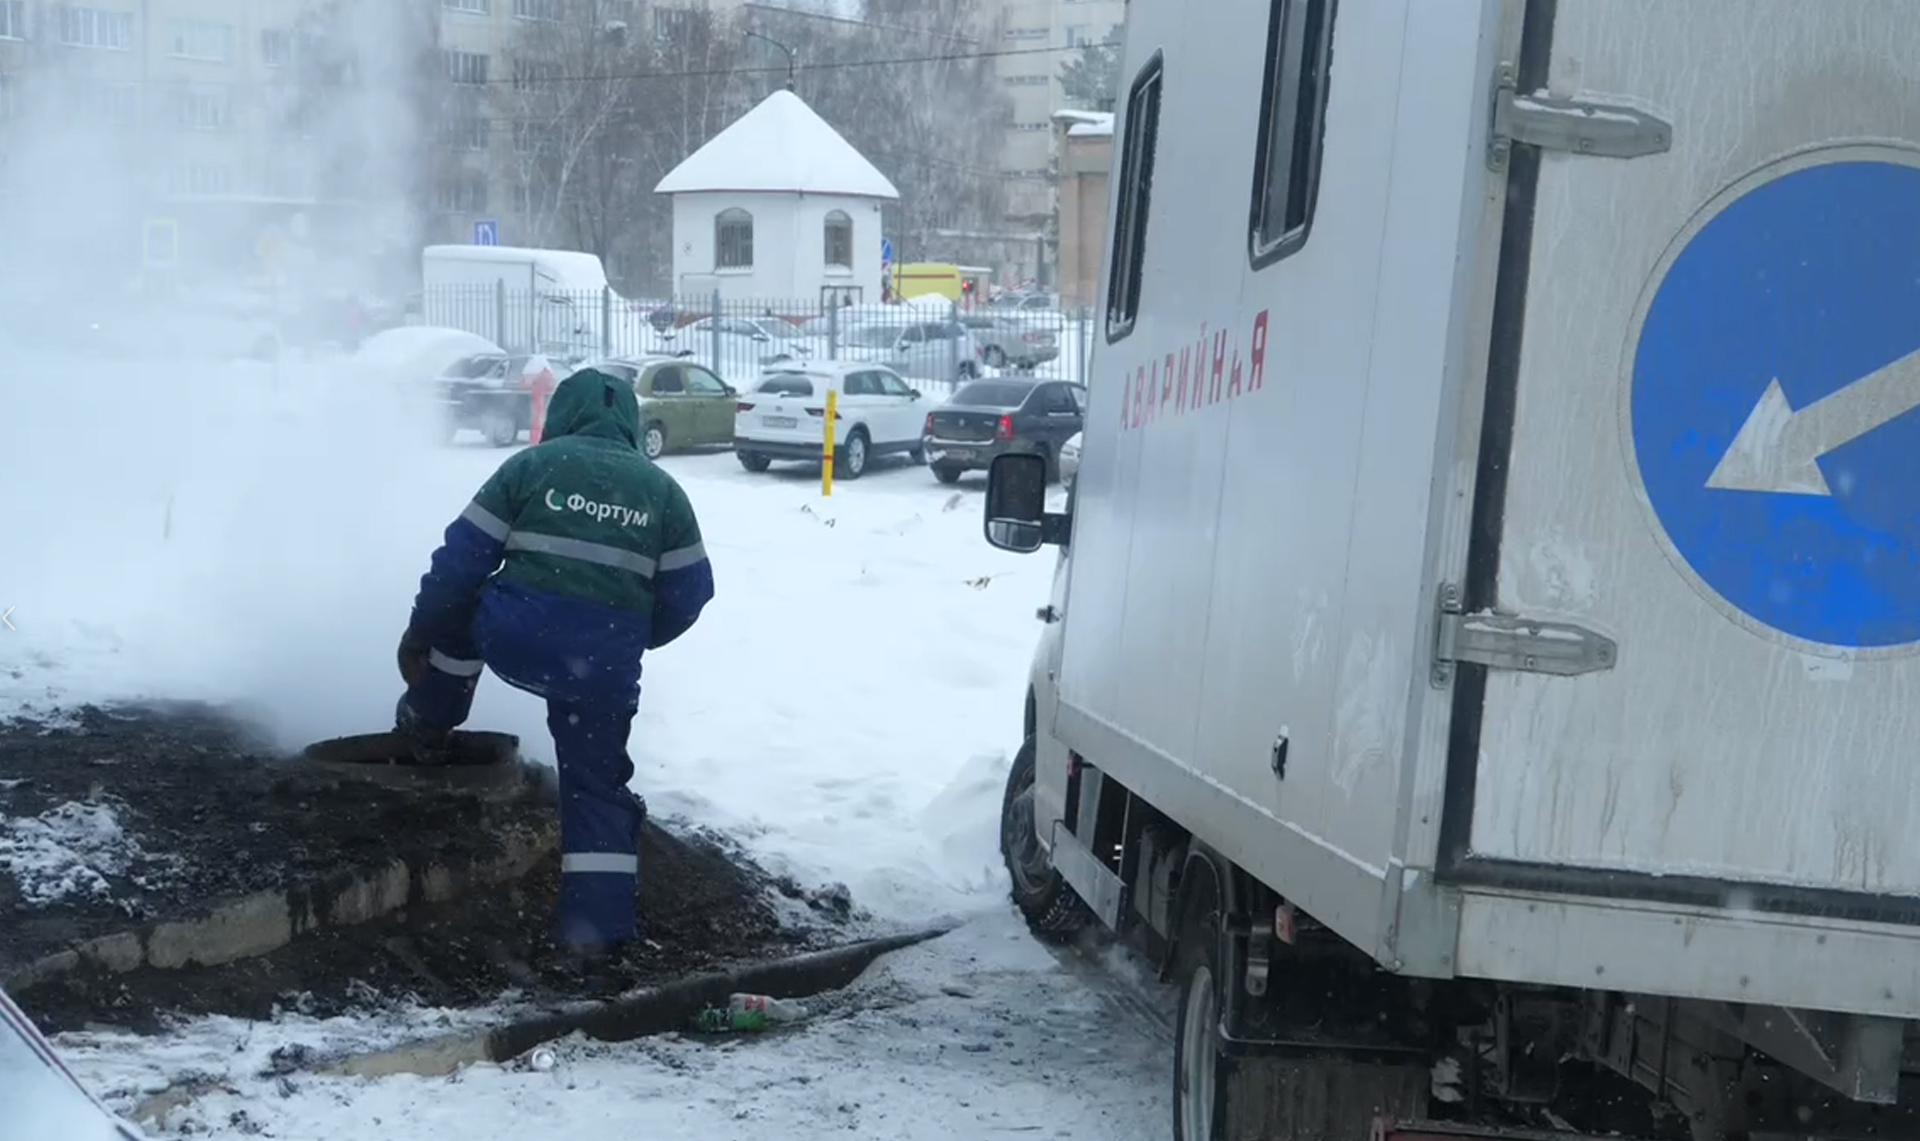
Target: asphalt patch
[214,813]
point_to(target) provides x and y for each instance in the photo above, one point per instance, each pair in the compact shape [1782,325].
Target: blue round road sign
[1773,398]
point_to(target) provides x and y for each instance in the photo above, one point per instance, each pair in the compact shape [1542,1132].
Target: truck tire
[1053,911]
[1290,1098]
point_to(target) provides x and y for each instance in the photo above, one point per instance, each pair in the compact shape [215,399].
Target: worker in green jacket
[575,557]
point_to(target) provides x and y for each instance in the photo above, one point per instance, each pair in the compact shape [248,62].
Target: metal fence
[933,342]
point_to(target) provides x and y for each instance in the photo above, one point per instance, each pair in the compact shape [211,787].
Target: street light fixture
[753,35]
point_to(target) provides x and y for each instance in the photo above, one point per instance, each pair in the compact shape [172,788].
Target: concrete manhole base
[254,884]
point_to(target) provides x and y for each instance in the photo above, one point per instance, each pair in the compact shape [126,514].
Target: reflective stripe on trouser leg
[443,696]
[599,823]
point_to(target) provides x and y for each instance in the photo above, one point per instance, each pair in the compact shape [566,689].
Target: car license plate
[781,421]
[960,453]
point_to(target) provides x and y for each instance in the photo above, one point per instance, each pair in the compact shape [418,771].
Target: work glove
[412,656]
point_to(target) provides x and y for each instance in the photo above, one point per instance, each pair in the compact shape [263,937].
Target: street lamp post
[753,35]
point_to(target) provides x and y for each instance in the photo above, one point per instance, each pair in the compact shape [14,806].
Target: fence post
[715,331]
[953,342]
[1083,341]
[606,320]
[500,313]
[833,331]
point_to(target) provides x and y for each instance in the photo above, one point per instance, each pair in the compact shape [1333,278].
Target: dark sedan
[1008,414]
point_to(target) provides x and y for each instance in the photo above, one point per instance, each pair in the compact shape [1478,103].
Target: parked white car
[40,1097]
[1068,462]
[784,416]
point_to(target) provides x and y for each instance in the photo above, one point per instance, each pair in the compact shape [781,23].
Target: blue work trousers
[600,818]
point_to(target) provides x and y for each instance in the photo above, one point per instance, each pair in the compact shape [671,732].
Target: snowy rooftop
[1085,124]
[782,145]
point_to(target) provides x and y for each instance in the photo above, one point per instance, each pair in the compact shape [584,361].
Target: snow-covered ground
[981,1034]
[846,708]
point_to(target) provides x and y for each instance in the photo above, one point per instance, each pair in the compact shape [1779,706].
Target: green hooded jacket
[583,514]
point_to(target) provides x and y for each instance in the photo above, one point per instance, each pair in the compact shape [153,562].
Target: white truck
[1482,659]
[552,302]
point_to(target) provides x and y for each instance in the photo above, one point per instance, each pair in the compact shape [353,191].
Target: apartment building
[1036,37]
[198,129]
[183,81]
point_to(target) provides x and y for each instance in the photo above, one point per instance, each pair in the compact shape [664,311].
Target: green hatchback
[682,405]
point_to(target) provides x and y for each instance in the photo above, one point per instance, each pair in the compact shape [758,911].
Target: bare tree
[912,88]
[1090,81]
[569,87]
[600,118]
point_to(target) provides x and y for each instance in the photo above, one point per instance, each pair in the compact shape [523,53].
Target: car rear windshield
[993,394]
[472,367]
[786,386]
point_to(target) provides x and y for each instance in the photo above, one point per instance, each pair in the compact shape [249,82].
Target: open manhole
[476,762]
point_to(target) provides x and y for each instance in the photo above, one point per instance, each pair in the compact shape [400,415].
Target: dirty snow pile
[67,852]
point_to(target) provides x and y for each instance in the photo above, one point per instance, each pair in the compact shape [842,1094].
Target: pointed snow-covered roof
[782,145]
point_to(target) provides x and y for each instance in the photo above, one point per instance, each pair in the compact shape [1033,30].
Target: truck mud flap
[1092,880]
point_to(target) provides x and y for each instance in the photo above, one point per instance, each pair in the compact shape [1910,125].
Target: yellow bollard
[826,449]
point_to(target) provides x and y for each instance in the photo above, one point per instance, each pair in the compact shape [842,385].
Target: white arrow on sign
[7,615]
[1779,449]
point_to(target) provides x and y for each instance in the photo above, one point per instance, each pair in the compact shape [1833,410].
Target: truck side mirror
[1016,513]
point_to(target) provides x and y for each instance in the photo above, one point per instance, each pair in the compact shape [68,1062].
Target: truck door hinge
[1507,642]
[1602,130]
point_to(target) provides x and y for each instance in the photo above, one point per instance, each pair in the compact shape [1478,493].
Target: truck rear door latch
[1599,130]
[1510,642]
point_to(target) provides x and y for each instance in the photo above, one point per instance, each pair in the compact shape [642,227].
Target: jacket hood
[592,403]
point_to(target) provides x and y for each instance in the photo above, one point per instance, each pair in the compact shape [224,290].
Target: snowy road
[846,708]
[980,1034]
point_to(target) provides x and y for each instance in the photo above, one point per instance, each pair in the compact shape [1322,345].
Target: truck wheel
[1199,1094]
[499,428]
[653,440]
[1053,911]
[1292,1098]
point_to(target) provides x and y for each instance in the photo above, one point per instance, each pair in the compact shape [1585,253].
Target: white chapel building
[777,207]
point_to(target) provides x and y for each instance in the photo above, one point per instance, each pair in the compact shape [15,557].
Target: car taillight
[822,412]
[929,428]
[742,406]
[1005,429]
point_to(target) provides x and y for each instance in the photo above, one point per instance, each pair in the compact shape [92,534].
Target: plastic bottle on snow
[751,1012]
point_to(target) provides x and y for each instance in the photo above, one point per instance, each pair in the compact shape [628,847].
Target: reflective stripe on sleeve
[683,557]
[458,667]
[487,521]
[581,549]
[613,863]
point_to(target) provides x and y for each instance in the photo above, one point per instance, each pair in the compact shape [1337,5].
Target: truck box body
[1558,385]
[526,300]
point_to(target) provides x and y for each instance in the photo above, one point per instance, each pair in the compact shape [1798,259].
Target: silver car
[929,350]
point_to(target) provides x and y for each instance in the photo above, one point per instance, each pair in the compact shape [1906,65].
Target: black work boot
[427,744]
[586,971]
